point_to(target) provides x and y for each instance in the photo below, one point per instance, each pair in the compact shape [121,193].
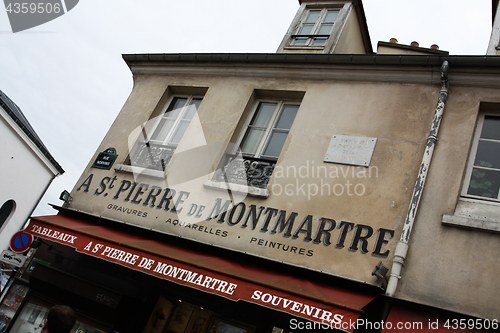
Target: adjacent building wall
[447,266]
[24,177]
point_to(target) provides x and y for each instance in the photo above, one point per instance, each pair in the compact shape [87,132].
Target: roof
[17,115]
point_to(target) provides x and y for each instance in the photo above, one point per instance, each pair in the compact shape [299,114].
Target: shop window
[178,316]
[33,315]
[315,28]
[258,147]
[483,173]
[159,139]
[11,303]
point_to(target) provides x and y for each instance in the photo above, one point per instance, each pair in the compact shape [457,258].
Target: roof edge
[308,58]
[18,117]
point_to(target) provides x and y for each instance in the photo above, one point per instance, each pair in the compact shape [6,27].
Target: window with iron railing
[155,148]
[259,145]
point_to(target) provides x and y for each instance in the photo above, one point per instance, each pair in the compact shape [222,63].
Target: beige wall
[447,266]
[351,40]
[398,115]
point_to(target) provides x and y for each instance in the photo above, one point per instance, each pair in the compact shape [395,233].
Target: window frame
[312,37]
[177,121]
[146,132]
[344,11]
[472,157]
[272,122]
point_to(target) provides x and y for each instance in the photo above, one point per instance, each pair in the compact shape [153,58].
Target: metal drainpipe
[402,246]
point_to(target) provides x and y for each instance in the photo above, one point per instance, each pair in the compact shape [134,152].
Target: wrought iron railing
[151,156]
[239,169]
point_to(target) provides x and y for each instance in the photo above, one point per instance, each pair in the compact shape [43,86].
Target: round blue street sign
[21,241]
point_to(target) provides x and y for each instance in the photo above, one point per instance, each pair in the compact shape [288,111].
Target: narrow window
[268,130]
[483,173]
[316,27]
[158,146]
[6,211]
[260,144]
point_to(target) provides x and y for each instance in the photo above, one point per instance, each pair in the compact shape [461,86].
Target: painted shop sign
[353,150]
[199,278]
[234,224]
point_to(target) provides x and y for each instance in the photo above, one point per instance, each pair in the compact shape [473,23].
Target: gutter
[314,59]
[402,246]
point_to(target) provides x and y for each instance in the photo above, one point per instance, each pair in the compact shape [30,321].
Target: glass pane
[263,114]
[162,130]
[306,29]
[488,154]
[491,128]
[331,16]
[484,183]
[251,141]
[287,116]
[192,108]
[275,144]
[325,29]
[183,125]
[175,107]
[312,16]
[319,41]
[300,41]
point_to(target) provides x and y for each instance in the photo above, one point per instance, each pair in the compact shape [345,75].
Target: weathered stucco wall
[351,40]
[447,266]
[365,206]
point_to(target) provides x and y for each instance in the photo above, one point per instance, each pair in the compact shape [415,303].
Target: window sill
[140,171]
[250,190]
[474,214]
[320,48]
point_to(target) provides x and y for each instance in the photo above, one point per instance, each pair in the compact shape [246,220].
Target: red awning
[152,253]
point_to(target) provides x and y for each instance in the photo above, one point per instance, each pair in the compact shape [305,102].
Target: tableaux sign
[143,200]
[199,278]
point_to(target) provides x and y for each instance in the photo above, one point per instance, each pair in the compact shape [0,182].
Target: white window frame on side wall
[475,211]
[472,157]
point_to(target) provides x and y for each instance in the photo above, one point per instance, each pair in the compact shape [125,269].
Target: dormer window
[316,28]
[328,26]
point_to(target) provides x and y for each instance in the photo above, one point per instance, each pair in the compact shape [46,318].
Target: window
[316,27]
[258,147]
[268,129]
[157,144]
[483,173]
[175,120]
[6,211]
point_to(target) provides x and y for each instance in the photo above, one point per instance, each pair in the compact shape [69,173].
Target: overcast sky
[70,81]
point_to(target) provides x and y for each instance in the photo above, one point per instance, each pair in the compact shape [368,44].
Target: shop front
[125,279]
